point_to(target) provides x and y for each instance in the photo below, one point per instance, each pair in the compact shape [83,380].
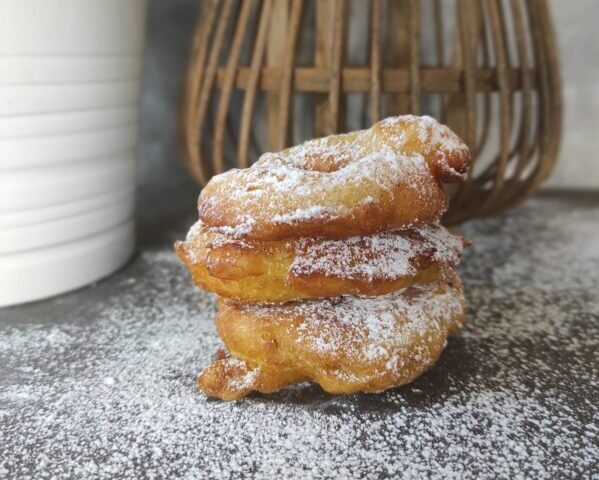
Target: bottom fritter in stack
[355,313]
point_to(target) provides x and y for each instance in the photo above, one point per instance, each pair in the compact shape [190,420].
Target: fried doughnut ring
[347,344]
[285,270]
[358,183]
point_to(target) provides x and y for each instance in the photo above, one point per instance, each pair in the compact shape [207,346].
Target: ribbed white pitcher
[70,77]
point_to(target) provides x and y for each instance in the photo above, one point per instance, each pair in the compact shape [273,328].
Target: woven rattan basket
[267,74]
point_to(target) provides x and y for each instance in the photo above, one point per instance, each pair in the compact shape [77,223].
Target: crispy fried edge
[257,342]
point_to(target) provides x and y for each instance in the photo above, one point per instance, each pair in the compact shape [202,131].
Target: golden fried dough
[285,270]
[359,183]
[346,344]
[230,379]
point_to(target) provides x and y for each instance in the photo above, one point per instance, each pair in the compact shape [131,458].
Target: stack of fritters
[330,263]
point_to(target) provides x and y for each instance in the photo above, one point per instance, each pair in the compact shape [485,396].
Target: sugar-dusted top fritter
[358,183]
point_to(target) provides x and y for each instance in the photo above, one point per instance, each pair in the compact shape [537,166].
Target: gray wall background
[169,32]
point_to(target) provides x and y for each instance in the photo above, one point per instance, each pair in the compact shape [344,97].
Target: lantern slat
[336,64]
[209,78]
[285,93]
[275,55]
[252,86]
[526,95]
[504,105]
[227,86]
[325,10]
[414,36]
[375,61]
[439,32]
[193,81]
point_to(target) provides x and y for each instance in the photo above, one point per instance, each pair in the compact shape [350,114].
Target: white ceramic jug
[70,75]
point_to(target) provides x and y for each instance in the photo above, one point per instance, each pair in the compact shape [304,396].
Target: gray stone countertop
[100,383]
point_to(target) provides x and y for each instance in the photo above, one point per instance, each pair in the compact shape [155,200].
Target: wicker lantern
[267,74]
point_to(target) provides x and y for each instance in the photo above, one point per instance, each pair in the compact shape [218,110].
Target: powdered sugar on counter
[513,397]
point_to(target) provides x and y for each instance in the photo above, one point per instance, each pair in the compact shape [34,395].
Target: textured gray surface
[99,383]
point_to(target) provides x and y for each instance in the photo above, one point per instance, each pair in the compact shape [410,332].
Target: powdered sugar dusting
[194,231]
[239,382]
[384,256]
[387,256]
[448,248]
[430,131]
[363,339]
[305,214]
[386,325]
[433,136]
[513,397]
[328,178]
[242,229]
